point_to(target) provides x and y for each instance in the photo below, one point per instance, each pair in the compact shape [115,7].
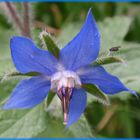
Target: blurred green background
[119,24]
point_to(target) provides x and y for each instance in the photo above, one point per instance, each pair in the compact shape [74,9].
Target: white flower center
[63,82]
[65,79]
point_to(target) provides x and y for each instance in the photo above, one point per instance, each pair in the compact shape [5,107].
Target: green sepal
[50,44]
[50,97]
[9,75]
[16,73]
[107,60]
[96,93]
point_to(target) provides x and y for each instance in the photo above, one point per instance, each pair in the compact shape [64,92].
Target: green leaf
[107,60]
[96,93]
[113,30]
[29,125]
[79,129]
[37,122]
[54,128]
[50,44]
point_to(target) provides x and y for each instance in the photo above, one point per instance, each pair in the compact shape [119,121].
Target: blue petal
[108,83]
[28,58]
[84,48]
[28,93]
[77,105]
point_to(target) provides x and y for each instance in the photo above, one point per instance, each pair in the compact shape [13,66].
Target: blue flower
[64,76]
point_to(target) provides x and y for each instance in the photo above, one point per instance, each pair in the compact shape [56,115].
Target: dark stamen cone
[65,95]
[65,106]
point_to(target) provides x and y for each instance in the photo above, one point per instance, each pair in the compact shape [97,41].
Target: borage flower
[64,76]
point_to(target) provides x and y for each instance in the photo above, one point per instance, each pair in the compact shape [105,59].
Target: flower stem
[14,16]
[26,20]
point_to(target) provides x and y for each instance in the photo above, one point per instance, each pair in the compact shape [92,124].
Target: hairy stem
[26,19]
[14,16]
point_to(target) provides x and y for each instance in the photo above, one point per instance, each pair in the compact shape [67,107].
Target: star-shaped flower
[65,75]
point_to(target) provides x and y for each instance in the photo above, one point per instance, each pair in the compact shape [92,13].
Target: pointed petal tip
[87,40]
[89,14]
[134,93]
[25,95]
[90,10]
[5,107]
[8,106]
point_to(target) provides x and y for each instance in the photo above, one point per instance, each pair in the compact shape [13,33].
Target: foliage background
[119,25]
